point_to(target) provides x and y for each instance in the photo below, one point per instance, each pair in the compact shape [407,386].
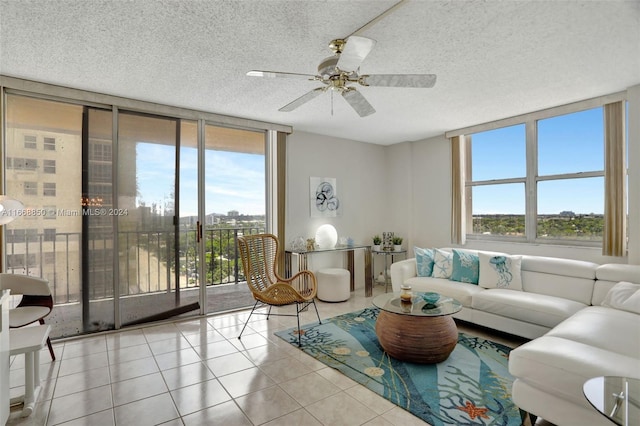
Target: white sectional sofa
[552,290]
[574,338]
[596,341]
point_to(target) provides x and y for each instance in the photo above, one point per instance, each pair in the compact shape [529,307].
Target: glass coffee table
[617,398]
[415,332]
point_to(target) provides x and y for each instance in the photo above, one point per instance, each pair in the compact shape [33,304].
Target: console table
[349,254]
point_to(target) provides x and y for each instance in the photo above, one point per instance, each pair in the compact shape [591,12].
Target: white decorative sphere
[10,209]
[326,237]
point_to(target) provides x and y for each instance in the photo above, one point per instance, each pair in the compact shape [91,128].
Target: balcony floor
[66,319]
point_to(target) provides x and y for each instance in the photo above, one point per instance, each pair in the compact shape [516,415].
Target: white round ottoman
[333,284]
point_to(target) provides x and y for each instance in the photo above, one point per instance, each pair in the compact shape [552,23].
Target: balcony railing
[147,263]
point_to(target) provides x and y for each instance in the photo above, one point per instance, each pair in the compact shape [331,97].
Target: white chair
[36,302]
[333,284]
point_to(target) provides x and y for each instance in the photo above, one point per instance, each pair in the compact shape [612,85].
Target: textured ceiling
[494,59]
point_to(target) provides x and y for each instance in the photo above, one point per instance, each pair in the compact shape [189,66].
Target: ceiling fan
[341,71]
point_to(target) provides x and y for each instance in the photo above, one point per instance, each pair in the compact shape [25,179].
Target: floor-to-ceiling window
[113,202]
[59,172]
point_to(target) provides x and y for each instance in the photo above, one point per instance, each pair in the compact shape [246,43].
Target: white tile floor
[197,372]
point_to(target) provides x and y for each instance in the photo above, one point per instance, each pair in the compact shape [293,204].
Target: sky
[233,181]
[566,144]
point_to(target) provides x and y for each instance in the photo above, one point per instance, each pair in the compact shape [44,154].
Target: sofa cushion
[462,292]
[560,266]
[561,366]
[502,271]
[528,307]
[609,275]
[442,264]
[625,296]
[566,278]
[605,328]
[466,267]
[424,261]
[596,341]
[618,272]
[571,288]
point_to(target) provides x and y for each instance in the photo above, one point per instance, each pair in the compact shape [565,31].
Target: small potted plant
[397,243]
[376,242]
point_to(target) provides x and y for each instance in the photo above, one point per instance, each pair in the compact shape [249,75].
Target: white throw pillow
[442,264]
[624,296]
[500,271]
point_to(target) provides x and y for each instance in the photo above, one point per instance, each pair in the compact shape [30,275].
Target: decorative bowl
[430,298]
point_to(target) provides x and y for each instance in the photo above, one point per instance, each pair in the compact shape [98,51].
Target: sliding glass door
[234,204]
[131,217]
[148,225]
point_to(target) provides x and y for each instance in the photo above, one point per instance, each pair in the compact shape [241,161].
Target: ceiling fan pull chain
[332,103]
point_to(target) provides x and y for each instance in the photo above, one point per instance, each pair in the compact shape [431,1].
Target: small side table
[387,254]
[617,398]
[29,341]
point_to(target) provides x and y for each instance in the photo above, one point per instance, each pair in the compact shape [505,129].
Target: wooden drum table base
[426,339]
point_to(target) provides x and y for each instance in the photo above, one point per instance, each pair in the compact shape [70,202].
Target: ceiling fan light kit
[341,71]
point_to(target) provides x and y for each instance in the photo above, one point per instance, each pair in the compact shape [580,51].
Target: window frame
[30,142]
[49,143]
[49,189]
[531,179]
[49,166]
[30,188]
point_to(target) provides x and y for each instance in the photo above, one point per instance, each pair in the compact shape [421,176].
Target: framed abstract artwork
[323,197]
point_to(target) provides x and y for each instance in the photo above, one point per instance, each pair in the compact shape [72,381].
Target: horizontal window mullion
[570,176]
[568,241]
[494,237]
[495,181]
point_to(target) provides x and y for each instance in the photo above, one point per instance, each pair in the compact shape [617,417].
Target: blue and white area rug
[472,387]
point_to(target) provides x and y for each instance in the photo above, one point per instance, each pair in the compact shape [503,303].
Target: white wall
[399,192]
[633,96]
[431,192]
[361,183]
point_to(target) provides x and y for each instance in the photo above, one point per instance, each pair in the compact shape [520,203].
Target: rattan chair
[259,253]
[36,302]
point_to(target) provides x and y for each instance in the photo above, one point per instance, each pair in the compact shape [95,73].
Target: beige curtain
[458,215]
[615,211]
[281,168]
[2,147]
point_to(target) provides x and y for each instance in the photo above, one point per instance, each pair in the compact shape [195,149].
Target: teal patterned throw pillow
[424,261]
[466,267]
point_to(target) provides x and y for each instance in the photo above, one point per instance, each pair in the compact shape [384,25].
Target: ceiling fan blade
[355,50]
[358,102]
[277,74]
[302,100]
[399,80]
